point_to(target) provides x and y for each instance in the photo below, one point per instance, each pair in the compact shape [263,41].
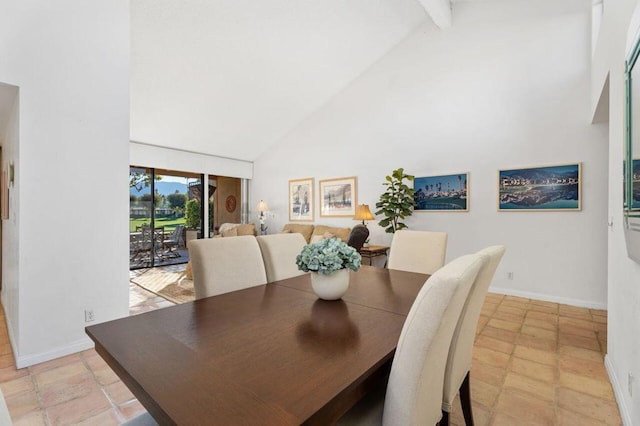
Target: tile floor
[535,363]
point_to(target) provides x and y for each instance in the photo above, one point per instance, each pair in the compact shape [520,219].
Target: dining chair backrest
[279,253]
[222,265]
[418,251]
[414,391]
[461,351]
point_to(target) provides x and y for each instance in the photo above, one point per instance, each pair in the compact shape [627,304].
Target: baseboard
[72,348]
[7,319]
[547,298]
[618,391]
[28,360]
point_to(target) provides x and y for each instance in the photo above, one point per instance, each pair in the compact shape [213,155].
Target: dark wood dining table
[273,354]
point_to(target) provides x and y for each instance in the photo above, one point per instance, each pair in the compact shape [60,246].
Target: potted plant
[192,218]
[329,262]
[396,202]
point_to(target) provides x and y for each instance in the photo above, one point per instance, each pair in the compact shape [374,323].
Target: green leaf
[397,201]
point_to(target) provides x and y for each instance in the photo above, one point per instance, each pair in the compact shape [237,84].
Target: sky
[452,180]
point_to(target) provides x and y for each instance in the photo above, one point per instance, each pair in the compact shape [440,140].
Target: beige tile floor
[535,363]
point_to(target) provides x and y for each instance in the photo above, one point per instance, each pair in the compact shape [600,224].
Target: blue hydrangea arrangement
[327,256]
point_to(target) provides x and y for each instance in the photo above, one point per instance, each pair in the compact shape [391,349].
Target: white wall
[71,62]
[146,155]
[623,344]
[506,86]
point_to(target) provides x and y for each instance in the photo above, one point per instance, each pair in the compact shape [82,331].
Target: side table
[373,251]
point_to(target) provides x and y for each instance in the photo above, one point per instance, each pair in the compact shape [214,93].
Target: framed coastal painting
[301,200]
[444,193]
[338,197]
[543,188]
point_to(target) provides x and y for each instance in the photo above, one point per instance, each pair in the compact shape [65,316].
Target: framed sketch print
[338,197]
[301,200]
[442,193]
[545,188]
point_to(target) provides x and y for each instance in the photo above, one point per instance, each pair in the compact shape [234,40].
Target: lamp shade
[363,213]
[262,207]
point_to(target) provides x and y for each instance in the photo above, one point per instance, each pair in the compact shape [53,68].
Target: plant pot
[192,234]
[330,287]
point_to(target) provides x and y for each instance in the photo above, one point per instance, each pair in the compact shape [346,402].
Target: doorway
[165,211]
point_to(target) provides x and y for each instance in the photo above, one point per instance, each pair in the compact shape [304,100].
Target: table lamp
[262,208]
[363,213]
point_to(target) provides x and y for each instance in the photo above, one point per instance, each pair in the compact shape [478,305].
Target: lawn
[169,222]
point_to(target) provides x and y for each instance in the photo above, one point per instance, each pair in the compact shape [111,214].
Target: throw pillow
[305,230]
[316,239]
[233,232]
[325,236]
[246,229]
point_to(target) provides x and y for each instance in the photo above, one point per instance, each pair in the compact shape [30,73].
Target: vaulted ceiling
[231,77]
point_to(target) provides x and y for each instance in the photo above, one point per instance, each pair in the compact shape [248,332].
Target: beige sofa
[312,233]
[236,230]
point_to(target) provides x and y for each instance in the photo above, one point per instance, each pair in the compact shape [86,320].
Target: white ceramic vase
[330,287]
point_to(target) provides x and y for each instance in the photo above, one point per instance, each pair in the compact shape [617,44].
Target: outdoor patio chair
[173,241]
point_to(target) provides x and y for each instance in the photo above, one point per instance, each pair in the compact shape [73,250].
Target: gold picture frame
[301,200]
[338,197]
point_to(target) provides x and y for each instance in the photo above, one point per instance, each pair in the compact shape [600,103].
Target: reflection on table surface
[271,354]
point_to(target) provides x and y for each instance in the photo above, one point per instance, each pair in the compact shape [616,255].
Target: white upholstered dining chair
[279,253]
[222,265]
[414,391]
[418,251]
[456,376]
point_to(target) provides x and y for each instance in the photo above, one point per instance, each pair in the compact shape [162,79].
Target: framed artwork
[545,188]
[301,200]
[338,197]
[442,193]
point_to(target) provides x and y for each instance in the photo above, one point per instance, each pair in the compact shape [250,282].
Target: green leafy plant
[192,214]
[327,256]
[397,202]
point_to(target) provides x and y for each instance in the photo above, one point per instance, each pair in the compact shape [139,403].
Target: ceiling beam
[439,11]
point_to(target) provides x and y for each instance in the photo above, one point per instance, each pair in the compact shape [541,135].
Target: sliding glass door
[164,212]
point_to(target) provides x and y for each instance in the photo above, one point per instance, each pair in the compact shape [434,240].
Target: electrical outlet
[88,315]
[510,275]
[630,383]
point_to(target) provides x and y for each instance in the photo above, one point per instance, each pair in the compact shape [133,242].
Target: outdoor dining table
[272,354]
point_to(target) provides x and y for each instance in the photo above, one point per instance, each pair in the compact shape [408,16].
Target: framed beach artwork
[544,188]
[301,200]
[444,193]
[338,197]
